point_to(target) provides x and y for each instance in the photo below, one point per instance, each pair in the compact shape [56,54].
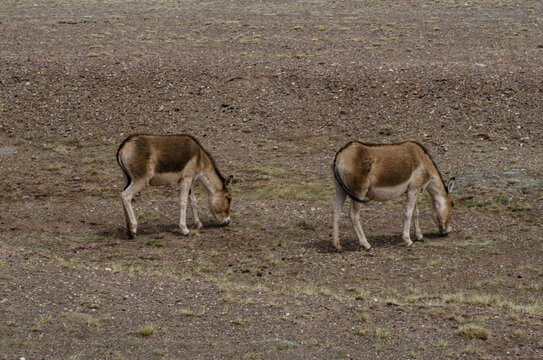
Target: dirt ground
[272,89]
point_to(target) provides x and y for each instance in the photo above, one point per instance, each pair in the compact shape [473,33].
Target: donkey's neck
[211,180]
[436,189]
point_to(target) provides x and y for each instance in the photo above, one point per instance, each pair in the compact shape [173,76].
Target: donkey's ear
[228,181]
[450,185]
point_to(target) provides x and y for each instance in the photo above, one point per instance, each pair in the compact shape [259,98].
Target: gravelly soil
[272,89]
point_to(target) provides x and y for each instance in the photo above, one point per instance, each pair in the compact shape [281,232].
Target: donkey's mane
[217,171]
[378,145]
[433,162]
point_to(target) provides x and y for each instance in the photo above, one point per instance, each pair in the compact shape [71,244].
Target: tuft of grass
[361,332]
[158,352]
[186,312]
[473,350]
[473,331]
[284,346]
[381,333]
[453,298]
[155,242]
[147,330]
[499,281]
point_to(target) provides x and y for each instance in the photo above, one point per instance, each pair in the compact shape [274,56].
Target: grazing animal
[384,172]
[170,159]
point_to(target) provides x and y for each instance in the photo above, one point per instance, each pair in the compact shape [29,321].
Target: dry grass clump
[473,331]
[147,330]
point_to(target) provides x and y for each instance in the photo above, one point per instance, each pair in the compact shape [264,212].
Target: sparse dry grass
[473,331]
[146,330]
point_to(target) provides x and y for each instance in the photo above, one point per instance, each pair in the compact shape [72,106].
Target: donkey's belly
[386,192]
[165,178]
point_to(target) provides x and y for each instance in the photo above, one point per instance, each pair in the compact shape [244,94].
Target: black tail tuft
[125,172]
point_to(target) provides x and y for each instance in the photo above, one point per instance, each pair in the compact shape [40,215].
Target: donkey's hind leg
[355,220]
[127,196]
[418,233]
[340,200]
[194,206]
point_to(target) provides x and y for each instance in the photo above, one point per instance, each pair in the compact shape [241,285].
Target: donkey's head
[219,203]
[442,209]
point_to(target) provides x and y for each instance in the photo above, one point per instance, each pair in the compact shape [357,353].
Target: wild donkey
[169,159]
[385,172]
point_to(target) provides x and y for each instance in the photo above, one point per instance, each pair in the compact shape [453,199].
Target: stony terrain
[272,89]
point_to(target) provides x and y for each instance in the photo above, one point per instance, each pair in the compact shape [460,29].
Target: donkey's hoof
[185,231]
[370,251]
[338,249]
[410,246]
[131,234]
[408,242]
[421,239]
[199,225]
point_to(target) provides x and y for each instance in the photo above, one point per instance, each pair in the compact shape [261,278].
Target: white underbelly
[165,178]
[386,193]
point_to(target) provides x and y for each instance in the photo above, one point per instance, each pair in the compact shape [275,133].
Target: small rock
[7,150]
[455,106]
[77,178]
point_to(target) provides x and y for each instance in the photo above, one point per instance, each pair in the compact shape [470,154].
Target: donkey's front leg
[183,200]
[194,206]
[411,203]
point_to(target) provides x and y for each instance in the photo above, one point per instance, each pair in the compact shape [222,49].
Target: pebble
[6,150]
[77,178]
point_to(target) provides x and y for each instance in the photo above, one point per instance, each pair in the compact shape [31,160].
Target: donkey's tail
[127,177]
[342,184]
